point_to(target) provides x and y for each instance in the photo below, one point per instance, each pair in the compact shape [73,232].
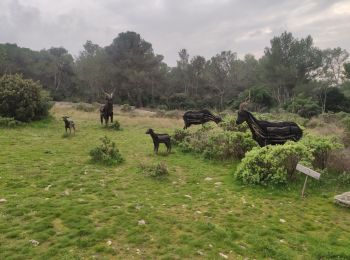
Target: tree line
[293,73]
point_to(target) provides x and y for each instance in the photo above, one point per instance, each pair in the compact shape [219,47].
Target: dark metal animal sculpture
[68,124]
[199,117]
[265,132]
[160,138]
[106,111]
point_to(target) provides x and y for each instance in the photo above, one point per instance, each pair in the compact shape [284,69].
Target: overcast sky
[203,27]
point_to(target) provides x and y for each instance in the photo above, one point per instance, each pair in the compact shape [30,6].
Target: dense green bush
[259,96]
[321,148]
[344,178]
[215,143]
[228,145]
[154,170]
[180,135]
[181,101]
[106,153]
[9,122]
[229,124]
[22,99]
[337,101]
[271,164]
[303,106]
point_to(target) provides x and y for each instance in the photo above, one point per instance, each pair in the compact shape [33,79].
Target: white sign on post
[308,172]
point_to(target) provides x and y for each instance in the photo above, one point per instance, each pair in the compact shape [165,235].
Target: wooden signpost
[308,172]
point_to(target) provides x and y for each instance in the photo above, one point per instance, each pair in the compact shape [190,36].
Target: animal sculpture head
[242,114]
[149,131]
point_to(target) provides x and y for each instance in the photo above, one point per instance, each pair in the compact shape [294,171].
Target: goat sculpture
[265,132]
[160,138]
[106,110]
[68,124]
[199,117]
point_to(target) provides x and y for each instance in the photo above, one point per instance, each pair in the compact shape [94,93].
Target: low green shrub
[106,153]
[215,143]
[162,107]
[303,106]
[228,145]
[160,113]
[271,164]
[9,122]
[168,114]
[321,148]
[115,125]
[180,135]
[346,123]
[155,170]
[229,124]
[173,114]
[344,178]
[85,107]
[127,108]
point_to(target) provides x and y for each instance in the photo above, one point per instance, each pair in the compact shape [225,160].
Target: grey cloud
[204,27]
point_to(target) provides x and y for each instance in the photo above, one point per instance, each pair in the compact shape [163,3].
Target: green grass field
[76,209]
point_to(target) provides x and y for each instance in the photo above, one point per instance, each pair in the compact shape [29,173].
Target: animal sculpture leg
[156,146]
[112,117]
[168,146]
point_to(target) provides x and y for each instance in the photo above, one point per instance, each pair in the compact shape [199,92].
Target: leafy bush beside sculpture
[271,164]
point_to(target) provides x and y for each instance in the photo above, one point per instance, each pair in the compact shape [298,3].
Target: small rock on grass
[141,222]
[282,220]
[188,196]
[343,199]
[109,243]
[208,179]
[3,200]
[223,255]
[34,242]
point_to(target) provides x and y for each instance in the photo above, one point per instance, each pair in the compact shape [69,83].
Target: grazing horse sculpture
[160,138]
[199,117]
[265,132]
[106,110]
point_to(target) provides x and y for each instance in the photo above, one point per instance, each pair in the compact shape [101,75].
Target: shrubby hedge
[106,153]
[321,148]
[215,143]
[9,122]
[154,170]
[271,164]
[229,124]
[22,99]
[303,106]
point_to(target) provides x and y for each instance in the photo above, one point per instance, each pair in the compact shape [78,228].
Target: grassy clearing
[76,209]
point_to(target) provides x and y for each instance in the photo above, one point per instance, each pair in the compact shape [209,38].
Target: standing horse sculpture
[265,132]
[106,111]
[199,117]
